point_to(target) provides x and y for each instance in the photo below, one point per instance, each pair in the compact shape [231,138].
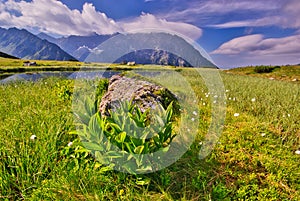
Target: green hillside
[289,72]
[256,158]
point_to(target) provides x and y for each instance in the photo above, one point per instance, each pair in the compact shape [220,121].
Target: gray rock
[143,93]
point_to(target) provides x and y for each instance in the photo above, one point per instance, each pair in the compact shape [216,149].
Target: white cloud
[258,45]
[239,45]
[286,14]
[214,10]
[150,22]
[249,23]
[52,16]
[55,17]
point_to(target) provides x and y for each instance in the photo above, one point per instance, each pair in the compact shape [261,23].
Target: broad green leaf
[92,146]
[121,137]
[139,149]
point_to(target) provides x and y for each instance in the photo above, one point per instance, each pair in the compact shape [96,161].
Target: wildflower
[70,144]
[297,152]
[234,99]
[215,102]
[271,78]
[236,114]
[289,115]
[253,99]
[194,113]
[188,130]
[215,96]
[200,143]
[206,96]
[33,137]
[263,134]
[295,80]
[229,98]
[204,104]
[227,90]
[193,119]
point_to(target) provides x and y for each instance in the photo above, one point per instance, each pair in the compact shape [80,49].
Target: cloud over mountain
[52,16]
[149,21]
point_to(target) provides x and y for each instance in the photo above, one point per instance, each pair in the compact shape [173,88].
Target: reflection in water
[69,75]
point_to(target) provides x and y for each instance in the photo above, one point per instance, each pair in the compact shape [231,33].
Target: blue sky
[234,32]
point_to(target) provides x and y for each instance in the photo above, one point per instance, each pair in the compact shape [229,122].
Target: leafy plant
[127,132]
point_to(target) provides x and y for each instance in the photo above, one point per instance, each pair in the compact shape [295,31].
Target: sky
[233,32]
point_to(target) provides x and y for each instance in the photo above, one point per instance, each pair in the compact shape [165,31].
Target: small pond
[34,76]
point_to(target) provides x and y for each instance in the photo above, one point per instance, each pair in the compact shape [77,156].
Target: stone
[141,92]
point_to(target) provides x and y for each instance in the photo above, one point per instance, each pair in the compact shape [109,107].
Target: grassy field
[288,73]
[255,159]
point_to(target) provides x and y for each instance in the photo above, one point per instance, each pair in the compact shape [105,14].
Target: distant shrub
[265,69]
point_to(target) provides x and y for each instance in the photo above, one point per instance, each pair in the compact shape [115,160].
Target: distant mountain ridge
[4,55]
[81,47]
[77,46]
[25,45]
[103,48]
[150,48]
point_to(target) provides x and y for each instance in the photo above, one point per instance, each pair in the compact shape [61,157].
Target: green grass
[254,160]
[11,63]
[287,73]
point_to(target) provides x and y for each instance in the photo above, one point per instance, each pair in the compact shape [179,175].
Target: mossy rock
[143,93]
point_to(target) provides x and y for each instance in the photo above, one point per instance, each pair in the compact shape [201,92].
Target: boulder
[143,93]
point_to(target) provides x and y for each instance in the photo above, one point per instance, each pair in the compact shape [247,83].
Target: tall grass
[254,160]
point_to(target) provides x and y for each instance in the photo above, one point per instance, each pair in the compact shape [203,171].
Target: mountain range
[25,45]
[4,55]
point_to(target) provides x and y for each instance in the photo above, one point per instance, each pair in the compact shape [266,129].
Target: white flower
[33,137]
[271,78]
[70,144]
[227,90]
[193,119]
[206,96]
[200,143]
[289,115]
[253,99]
[229,98]
[194,113]
[297,152]
[236,114]
[215,96]
[215,102]
[188,130]
[204,104]
[233,99]
[263,134]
